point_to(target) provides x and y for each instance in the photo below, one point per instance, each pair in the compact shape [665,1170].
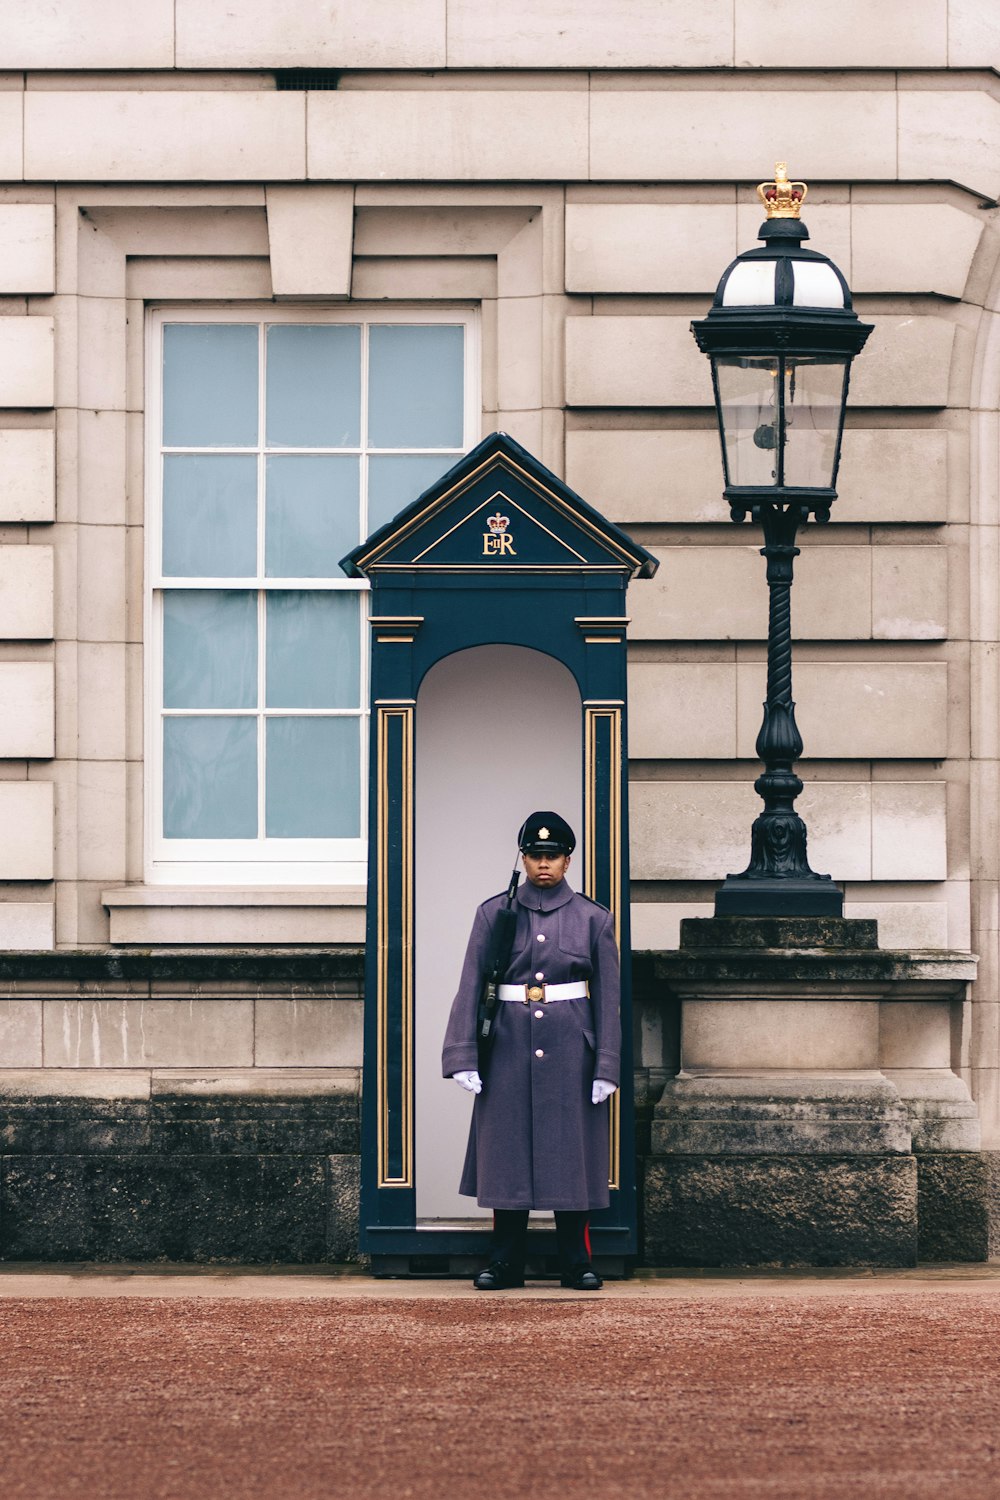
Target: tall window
[278,442]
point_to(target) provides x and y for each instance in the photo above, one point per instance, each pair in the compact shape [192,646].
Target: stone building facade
[563,183]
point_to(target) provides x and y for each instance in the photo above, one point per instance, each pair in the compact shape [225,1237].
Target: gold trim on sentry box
[392,628]
[403,712]
[407,567]
[499,495]
[498,461]
[592,713]
[609,629]
[615,1141]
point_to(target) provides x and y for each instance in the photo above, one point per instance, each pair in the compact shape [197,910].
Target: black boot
[506,1267]
[497,1277]
[573,1238]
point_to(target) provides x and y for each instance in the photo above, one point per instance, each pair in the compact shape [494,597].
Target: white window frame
[262,861]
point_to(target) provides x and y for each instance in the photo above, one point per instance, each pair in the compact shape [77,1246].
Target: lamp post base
[787,896]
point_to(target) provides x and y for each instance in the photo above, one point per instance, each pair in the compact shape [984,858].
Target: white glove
[602,1090]
[470,1081]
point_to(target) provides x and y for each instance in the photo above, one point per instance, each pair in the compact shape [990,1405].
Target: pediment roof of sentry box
[551,528]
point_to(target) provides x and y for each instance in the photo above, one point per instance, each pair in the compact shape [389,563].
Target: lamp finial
[782,199]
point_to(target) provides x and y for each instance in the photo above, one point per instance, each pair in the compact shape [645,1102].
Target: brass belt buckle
[536,992]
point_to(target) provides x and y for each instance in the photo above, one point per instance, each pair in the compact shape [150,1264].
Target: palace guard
[539,1136]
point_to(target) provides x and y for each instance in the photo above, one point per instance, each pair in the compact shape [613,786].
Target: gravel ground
[691,1396]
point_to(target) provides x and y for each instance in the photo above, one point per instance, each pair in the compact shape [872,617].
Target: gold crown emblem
[782,199]
[498,523]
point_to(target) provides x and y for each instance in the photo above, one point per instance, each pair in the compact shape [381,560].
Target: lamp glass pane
[748,390]
[814,403]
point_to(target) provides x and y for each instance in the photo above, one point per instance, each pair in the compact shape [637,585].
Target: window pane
[415,385]
[313,386]
[210,778]
[210,648]
[396,479]
[209,516]
[312,515]
[313,649]
[210,385]
[313,778]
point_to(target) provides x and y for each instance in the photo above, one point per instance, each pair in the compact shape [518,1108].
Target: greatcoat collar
[544,898]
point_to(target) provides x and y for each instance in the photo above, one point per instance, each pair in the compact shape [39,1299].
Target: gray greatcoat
[536,1140]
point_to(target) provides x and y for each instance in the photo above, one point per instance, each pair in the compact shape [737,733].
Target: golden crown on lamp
[782,199]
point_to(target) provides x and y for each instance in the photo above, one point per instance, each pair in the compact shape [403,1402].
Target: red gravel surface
[692,1398]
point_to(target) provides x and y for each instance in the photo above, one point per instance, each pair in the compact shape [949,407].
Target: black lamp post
[781,335]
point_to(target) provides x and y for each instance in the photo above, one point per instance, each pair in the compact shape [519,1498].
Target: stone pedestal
[817,1072]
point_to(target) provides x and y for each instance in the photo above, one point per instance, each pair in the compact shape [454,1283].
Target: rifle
[497,959]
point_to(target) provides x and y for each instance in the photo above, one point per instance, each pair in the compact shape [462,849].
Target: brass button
[536,993]
[539,1053]
[539,1014]
[540,938]
[539,975]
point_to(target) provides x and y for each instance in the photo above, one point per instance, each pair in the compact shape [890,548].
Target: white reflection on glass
[210,385]
[313,649]
[210,777]
[313,778]
[209,648]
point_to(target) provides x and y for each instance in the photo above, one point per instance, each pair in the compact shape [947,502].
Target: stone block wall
[582,179]
[180,1107]
[196,1107]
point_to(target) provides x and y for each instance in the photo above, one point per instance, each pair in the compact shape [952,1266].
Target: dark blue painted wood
[549,525]
[445,579]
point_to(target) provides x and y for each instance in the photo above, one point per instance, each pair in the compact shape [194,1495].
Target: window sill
[255,915]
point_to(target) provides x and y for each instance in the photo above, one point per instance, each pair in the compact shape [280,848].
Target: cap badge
[543,833]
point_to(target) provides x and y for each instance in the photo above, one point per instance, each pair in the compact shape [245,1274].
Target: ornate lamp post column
[781,335]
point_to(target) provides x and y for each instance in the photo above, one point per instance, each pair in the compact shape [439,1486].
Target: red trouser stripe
[586,1237]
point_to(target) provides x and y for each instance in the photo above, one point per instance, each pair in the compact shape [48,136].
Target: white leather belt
[531,994]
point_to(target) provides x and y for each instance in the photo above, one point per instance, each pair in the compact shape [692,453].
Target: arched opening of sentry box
[498,734]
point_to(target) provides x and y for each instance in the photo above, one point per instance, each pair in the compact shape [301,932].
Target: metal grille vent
[300,79]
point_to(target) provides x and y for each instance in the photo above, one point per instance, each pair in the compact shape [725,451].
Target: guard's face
[545,869]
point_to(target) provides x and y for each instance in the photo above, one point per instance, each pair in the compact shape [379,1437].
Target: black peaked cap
[546,833]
